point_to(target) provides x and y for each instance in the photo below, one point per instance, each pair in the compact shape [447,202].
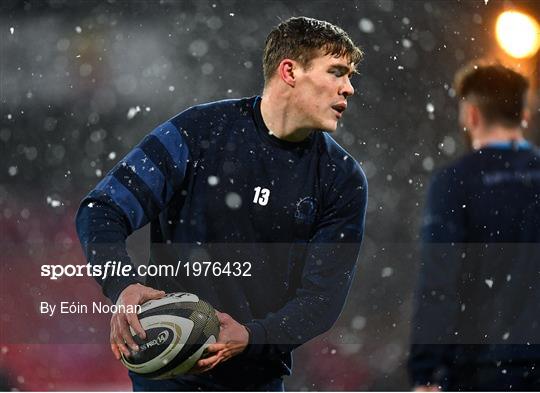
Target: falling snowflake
[213,180]
[53,202]
[233,200]
[387,272]
[358,322]
[133,111]
[366,25]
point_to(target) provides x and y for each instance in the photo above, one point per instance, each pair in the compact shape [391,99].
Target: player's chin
[331,126]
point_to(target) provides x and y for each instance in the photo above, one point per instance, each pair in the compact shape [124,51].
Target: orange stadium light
[518,34]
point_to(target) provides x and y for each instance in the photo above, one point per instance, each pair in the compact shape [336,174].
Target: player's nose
[347,88]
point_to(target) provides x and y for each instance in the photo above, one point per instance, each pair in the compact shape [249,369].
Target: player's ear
[476,118]
[470,115]
[525,118]
[286,71]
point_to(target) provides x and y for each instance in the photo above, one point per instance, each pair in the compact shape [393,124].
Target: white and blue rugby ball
[179,327]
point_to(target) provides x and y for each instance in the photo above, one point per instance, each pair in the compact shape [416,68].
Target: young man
[257,171]
[478,301]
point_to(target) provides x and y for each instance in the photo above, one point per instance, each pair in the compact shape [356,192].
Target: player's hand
[427,388]
[233,339]
[121,337]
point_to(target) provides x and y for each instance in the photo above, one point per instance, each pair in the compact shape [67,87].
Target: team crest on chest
[306,210]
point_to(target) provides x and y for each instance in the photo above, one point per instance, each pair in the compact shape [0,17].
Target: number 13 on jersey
[261,196]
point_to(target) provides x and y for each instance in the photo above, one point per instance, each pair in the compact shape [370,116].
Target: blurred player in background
[254,170]
[476,323]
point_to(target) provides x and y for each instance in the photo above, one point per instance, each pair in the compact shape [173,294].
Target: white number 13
[261,196]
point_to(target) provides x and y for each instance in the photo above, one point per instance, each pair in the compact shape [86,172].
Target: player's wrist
[114,289]
[248,336]
[256,340]
[128,289]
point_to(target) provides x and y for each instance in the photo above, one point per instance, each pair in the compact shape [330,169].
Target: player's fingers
[125,333]
[201,370]
[226,354]
[117,339]
[125,350]
[202,367]
[203,363]
[134,322]
[151,294]
[214,364]
[122,347]
[212,348]
[112,338]
[115,351]
[116,336]
[223,317]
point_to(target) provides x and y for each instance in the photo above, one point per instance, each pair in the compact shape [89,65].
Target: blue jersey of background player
[477,316]
[251,171]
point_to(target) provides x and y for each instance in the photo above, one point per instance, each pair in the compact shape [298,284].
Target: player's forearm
[102,233]
[313,311]
[326,279]
[291,327]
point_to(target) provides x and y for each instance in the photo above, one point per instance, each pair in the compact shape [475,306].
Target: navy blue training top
[478,298]
[215,175]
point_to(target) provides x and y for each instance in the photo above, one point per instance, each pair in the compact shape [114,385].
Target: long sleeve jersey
[214,175]
[478,297]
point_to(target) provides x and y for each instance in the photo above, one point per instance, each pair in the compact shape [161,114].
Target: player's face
[322,91]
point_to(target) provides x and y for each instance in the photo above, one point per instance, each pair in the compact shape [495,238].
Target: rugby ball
[179,327]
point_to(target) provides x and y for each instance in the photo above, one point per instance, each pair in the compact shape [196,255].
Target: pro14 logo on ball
[160,339]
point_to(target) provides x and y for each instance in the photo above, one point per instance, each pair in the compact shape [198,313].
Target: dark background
[82,82]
